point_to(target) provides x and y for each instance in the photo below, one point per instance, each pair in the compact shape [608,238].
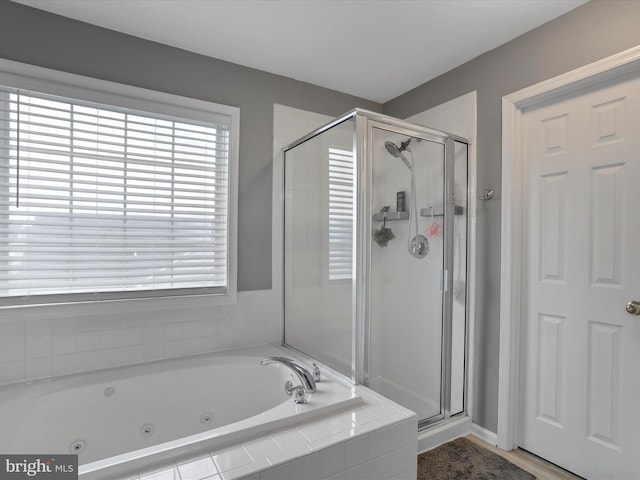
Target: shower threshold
[443,431]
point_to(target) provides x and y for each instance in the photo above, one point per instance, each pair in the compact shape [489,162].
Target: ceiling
[375,49]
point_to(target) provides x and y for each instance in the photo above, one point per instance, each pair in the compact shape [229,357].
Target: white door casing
[513,249]
[581,266]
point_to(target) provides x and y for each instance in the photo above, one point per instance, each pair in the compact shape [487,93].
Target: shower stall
[375,258]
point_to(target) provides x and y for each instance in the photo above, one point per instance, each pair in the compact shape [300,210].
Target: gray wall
[36,37]
[586,34]
[589,33]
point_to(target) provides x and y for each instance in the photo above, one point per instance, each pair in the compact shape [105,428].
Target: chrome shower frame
[364,123]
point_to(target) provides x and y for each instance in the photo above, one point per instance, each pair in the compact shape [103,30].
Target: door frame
[511,236]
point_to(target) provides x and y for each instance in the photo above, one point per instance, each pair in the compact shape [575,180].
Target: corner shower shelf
[439,212]
[390,215]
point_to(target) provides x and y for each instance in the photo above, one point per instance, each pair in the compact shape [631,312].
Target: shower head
[396,151]
[392,148]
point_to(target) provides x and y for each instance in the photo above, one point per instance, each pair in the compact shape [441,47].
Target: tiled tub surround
[189,402]
[50,340]
[374,440]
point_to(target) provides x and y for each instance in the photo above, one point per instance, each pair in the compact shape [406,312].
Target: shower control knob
[633,307]
[419,246]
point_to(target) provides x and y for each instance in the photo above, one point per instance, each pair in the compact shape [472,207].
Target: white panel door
[580,389]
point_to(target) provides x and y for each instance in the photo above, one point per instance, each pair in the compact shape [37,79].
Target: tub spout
[304,375]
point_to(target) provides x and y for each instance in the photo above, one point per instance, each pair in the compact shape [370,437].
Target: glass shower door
[407,263]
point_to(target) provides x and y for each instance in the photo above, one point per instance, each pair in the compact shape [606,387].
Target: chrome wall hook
[487,195]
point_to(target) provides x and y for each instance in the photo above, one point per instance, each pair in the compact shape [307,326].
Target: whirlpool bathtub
[128,419]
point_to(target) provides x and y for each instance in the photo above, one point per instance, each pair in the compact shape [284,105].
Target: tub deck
[374,439]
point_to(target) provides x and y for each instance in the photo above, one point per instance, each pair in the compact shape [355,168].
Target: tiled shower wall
[44,341]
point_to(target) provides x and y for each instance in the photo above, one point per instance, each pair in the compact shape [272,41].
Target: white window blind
[341,193]
[96,198]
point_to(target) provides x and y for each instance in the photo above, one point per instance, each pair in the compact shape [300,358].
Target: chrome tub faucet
[307,382]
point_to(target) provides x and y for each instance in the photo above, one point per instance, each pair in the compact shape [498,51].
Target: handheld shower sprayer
[418,246]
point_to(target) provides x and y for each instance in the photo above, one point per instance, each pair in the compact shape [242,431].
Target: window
[340,214]
[108,200]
